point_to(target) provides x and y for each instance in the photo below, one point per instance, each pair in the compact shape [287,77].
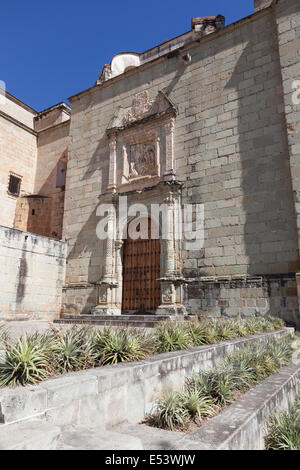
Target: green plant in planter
[113,346]
[201,384]
[3,336]
[26,361]
[198,406]
[72,349]
[211,332]
[196,333]
[241,328]
[227,330]
[284,429]
[171,336]
[170,412]
[276,322]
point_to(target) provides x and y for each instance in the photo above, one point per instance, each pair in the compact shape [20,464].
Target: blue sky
[53,49]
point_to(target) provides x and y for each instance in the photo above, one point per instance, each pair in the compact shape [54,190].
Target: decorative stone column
[112,184]
[170,170]
[172,280]
[108,299]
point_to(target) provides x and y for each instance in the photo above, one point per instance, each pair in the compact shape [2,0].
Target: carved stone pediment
[141,143]
[142,108]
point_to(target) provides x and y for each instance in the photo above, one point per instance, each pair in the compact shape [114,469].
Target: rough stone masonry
[210,118]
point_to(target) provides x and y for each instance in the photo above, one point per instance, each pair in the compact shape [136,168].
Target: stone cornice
[192,44]
[18,123]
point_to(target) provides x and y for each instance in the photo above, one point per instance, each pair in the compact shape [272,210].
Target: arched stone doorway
[141,271]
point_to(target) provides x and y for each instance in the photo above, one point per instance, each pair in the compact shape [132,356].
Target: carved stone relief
[143,133]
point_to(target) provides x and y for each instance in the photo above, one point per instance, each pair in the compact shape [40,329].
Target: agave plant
[170,413]
[171,336]
[3,336]
[196,333]
[201,384]
[276,322]
[241,328]
[284,429]
[26,361]
[226,330]
[211,332]
[72,349]
[198,406]
[113,346]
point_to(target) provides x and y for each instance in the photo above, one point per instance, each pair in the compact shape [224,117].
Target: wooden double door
[141,269]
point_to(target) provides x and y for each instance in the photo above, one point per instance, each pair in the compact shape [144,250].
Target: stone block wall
[231,152]
[18,150]
[33,214]
[34,147]
[51,171]
[267,295]
[32,271]
[287,16]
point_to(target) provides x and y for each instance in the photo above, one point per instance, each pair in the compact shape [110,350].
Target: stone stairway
[38,434]
[138,321]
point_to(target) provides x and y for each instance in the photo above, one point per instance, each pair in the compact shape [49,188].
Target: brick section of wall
[268,295]
[32,271]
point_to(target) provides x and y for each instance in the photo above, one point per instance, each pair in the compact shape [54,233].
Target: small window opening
[33,212]
[14,185]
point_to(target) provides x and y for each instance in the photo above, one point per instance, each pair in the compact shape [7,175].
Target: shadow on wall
[22,276]
[269,227]
[86,252]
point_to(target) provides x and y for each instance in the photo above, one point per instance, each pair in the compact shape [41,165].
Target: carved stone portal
[141,143]
[142,156]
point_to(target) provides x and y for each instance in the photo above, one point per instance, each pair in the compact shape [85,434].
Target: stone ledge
[242,426]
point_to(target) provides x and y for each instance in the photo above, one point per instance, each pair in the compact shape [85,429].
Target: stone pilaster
[170,170]
[108,299]
[172,280]
[112,162]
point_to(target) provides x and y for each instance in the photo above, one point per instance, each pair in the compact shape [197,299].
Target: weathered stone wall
[33,214]
[51,172]
[18,150]
[267,295]
[33,146]
[231,152]
[288,27]
[32,270]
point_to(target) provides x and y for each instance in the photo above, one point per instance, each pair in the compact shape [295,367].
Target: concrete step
[137,321]
[151,438]
[85,438]
[29,435]
[155,318]
[120,323]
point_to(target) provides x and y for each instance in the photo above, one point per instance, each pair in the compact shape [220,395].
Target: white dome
[124,61]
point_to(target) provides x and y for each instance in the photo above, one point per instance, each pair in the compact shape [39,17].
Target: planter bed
[241,425]
[283,427]
[108,395]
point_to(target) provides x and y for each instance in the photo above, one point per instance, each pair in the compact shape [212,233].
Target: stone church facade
[209,119]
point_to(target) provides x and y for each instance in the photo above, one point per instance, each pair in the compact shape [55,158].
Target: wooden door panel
[141,269]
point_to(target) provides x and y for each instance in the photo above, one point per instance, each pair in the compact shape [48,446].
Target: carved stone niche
[141,143]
